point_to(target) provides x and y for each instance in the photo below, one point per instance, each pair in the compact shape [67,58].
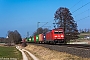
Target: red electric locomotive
[55,36]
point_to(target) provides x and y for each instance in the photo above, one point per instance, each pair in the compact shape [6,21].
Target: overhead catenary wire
[46,23]
[88,12]
[81,7]
[82,13]
[83,18]
[77,10]
[71,8]
[75,4]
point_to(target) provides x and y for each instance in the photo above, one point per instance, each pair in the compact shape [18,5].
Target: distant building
[87,37]
[7,37]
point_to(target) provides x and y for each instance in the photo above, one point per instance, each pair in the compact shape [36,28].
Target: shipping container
[27,39]
[32,38]
[24,40]
[37,38]
[40,37]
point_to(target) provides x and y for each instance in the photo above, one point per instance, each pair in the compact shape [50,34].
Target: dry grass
[47,54]
[2,44]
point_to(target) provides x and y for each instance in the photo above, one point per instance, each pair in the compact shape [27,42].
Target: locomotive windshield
[58,32]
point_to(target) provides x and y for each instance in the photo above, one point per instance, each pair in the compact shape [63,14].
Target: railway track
[84,46]
[81,50]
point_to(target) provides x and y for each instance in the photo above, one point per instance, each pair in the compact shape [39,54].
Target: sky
[24,15]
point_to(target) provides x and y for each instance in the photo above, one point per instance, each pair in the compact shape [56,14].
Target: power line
[44,24]
[83,18]
[88,12]
[81,7]
[75,4]
[82,13]
[76,10]
[71,7]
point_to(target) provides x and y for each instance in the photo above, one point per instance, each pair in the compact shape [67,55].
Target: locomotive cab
[55,36]
[58,35]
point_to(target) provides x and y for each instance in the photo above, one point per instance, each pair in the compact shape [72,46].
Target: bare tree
[14,37]
[40,31]
[45,30]
[63,18]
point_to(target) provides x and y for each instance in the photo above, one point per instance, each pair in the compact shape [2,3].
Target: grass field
[82,35]
[10,53]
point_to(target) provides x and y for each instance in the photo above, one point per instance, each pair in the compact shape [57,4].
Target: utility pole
[37,27]
[41,26]
[27,34]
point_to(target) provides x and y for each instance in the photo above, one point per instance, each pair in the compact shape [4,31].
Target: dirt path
[23,54]
[30,54]
[26,54]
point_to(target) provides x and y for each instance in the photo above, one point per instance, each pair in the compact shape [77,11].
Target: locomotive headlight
[62,36]
[55,36]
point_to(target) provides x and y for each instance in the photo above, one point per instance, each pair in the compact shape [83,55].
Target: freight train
[54,36]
